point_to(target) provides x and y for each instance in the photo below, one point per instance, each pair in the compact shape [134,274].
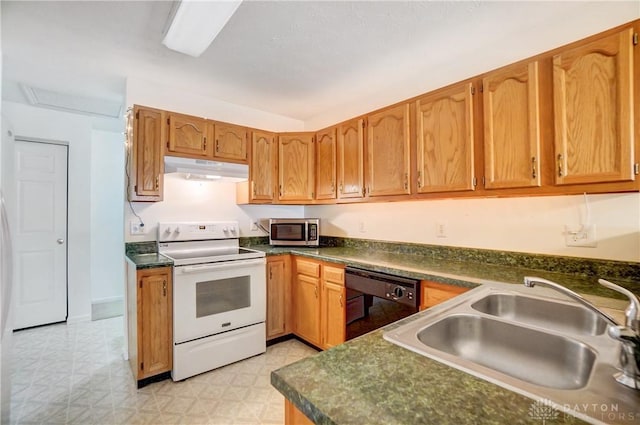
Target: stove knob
[225,229]
[177,230]
[167,230]
[233,230]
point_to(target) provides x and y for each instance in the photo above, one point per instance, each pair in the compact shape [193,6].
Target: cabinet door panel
[334,312]
[155,323]
[230,142]
[296,167]
[512,127]
[388,152]
[277,295]
[326,164]
[307,308]
[263,166]
[351,159]
[148,137]
[188,135]
[593,111]
[445,140]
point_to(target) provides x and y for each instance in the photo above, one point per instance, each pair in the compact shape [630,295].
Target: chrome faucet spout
[530,282]
[628,335]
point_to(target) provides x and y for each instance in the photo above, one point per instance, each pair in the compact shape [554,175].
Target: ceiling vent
[69,103]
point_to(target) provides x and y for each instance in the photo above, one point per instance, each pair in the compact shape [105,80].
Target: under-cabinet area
[539,126]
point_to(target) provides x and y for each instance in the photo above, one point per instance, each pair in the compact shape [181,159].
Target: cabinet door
[326,164]
[277,296]
[388,152]
[263,167]
[351,159]
[333,306]
[230,142]
[593,111]
[188,135]
[512,127]
[307,308]
[296,167]
[445,140]
[147,163]
[155,336]
[434,293]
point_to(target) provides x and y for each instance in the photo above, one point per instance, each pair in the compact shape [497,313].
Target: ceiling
[300,59]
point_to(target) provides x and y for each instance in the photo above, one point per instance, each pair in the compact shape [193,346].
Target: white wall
[148,93]
[107,242]
[534,225]
[29,122]
[189,200]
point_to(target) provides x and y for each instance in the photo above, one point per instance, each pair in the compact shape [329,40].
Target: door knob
[60,241]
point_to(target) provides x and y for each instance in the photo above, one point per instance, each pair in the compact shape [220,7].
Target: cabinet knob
[340,188]
[164,288]
[341,301]
[419,179]
[560,161]
[157,182]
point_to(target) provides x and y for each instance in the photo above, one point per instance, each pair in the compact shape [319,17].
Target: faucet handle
[632,312]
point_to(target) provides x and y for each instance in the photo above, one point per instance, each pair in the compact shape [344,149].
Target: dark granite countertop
[455,272]
[149,260]
[371,381]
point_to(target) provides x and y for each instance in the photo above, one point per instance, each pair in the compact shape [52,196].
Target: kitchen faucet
[628,335]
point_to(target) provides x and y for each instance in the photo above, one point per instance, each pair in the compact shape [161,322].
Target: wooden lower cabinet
[278,290]
[433,293]
[150,321]
[319,303]
[293,416]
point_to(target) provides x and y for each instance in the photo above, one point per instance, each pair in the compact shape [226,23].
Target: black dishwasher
[375,299]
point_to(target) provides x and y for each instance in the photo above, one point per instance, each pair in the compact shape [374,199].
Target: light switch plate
[580,235]
[135,228]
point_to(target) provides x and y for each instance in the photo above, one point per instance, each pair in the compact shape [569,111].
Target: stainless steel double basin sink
[539,346]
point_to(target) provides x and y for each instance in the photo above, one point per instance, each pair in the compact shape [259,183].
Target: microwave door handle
[221,266]
[306,232]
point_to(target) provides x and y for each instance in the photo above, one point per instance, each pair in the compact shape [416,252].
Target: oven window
[287,232]
[222,295]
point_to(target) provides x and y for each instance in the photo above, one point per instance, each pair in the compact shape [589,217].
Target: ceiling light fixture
[197,23]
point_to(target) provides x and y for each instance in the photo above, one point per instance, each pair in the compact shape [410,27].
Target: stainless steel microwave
[294,231]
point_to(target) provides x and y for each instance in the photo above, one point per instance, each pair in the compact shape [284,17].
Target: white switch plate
[135,228]
[580,235]
[441,229]
[361,227]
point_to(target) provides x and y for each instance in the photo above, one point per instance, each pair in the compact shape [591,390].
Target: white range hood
[201,169]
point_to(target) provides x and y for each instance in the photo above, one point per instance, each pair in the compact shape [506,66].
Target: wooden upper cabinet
[350,159]
[445,140]
[593,111]
[188,135]
[388,152]
[262,170]
[511,100]
[296,167]
[147,163]
[326,164]
[230,142]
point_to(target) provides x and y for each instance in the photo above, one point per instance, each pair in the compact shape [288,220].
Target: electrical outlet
[583,235]
[361,227]
[136,228]
[253,226]
[441,229]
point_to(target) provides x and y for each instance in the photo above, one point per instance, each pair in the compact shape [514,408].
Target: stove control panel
[196,231]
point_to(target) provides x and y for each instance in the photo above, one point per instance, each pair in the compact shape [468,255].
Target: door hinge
[475,182]
[138,115]
[484,182]
[635,38]
[636,168]
[363,123]
[481,88]
[135,188]
[141,365]
[473,90]
[140,283]
[168,121]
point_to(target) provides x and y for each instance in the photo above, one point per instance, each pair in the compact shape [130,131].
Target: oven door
[218,297]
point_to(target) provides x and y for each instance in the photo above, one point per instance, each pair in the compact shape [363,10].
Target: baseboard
[107,307]
[78,319]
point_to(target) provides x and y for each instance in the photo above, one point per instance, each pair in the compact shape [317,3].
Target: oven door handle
[220,266]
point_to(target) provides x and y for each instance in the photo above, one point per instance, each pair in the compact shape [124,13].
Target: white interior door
[40,234]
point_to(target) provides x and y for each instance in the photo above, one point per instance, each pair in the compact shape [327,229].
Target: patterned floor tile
[76,374]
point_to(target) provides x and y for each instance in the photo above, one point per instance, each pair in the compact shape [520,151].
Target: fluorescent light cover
[197,23]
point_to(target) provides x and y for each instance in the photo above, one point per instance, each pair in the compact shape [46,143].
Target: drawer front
[308,268]
[434,293]
[334,275]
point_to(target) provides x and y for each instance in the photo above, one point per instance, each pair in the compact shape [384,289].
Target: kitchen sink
[557,315]
[527,341]
[530,355]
